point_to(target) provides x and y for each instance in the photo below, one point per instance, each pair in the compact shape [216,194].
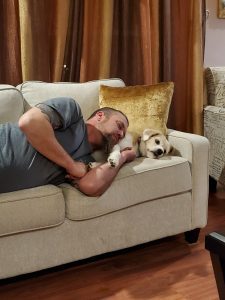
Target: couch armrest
[195,149]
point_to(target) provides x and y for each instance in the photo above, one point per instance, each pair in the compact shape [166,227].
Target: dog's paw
[114,159]
[113,163]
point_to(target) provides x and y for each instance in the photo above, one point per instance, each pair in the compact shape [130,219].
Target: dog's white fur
[152,144]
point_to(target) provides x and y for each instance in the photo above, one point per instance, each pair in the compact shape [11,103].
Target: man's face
[113,128]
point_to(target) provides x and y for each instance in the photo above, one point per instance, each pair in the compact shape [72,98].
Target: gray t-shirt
[21,166]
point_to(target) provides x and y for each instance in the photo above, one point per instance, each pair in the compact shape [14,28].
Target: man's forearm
[98,179]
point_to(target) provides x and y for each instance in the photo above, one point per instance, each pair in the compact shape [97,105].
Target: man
[52,142]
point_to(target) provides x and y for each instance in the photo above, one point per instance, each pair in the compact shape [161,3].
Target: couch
[149,199]
[214,123]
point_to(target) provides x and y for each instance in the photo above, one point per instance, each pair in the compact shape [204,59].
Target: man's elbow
[24,123]
[90,189]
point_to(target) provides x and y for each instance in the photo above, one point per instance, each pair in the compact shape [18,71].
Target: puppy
[152,144]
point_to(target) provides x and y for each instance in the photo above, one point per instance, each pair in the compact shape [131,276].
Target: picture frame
[221,9]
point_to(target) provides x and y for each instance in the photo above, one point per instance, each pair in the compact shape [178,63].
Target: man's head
[111,123]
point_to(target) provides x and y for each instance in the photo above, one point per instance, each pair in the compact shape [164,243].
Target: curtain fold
[10,62]
[150,40]
[135,45]
[43,27]
[186,65]
[97,31]
[73,49]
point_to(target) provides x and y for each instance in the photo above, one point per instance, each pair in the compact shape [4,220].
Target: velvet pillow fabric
[146,106]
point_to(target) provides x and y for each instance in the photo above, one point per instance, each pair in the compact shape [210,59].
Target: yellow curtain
[43,27]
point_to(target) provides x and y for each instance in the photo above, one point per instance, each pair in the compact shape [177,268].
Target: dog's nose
[159,152]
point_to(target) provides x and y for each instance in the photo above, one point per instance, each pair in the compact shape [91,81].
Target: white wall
[215,37]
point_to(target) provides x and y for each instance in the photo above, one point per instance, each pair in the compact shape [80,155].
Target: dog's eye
[157,142]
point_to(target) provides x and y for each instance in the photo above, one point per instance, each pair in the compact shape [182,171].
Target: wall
[215,37]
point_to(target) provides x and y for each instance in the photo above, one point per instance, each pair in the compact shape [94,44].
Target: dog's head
[154,144]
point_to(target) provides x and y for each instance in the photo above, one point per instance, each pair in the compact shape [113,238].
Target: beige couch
[149,199]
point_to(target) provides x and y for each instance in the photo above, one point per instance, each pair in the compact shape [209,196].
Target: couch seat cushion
[31,209]
[142,180]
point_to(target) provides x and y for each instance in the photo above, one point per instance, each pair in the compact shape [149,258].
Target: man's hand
[128,155]
[76,170]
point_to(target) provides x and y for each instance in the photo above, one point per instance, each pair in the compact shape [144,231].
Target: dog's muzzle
[158,152]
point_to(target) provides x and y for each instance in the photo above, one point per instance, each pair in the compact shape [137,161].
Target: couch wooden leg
[212,184]
[192,236]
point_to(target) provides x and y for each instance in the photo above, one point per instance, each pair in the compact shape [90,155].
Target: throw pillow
[146,106]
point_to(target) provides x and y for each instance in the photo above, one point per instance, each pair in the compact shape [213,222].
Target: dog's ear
[148,133]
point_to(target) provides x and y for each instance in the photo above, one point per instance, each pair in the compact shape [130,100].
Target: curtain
[148,41]
[73,49]
[142,42]
[184,65]
[115,38]
[10,63]
[33,37]
[135,41]
[43,27]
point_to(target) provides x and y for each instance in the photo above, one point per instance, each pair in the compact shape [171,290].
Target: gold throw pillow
[146,106]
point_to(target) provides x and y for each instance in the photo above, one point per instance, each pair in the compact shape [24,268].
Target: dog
[152,144]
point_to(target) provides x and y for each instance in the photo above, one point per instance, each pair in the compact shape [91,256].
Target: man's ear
[100,115]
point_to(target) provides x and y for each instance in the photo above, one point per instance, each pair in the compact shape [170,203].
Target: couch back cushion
[215,82]
[11,104]
[86,94]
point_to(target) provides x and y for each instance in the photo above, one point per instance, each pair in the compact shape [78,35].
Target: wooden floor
[168,269]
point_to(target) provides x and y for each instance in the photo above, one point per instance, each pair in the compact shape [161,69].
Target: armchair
[214,123]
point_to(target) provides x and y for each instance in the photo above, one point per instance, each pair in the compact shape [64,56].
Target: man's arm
[98,179]
[40,134]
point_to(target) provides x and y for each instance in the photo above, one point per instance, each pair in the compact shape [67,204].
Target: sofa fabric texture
[214,121]
[21,211]
[10,98]
[173,173]
[215,83]
[149,199]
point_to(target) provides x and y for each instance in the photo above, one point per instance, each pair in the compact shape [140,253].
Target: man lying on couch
[52,142]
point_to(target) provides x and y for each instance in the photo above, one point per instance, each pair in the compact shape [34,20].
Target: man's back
[21,166]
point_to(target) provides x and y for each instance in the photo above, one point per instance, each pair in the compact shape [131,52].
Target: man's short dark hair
[108,111]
